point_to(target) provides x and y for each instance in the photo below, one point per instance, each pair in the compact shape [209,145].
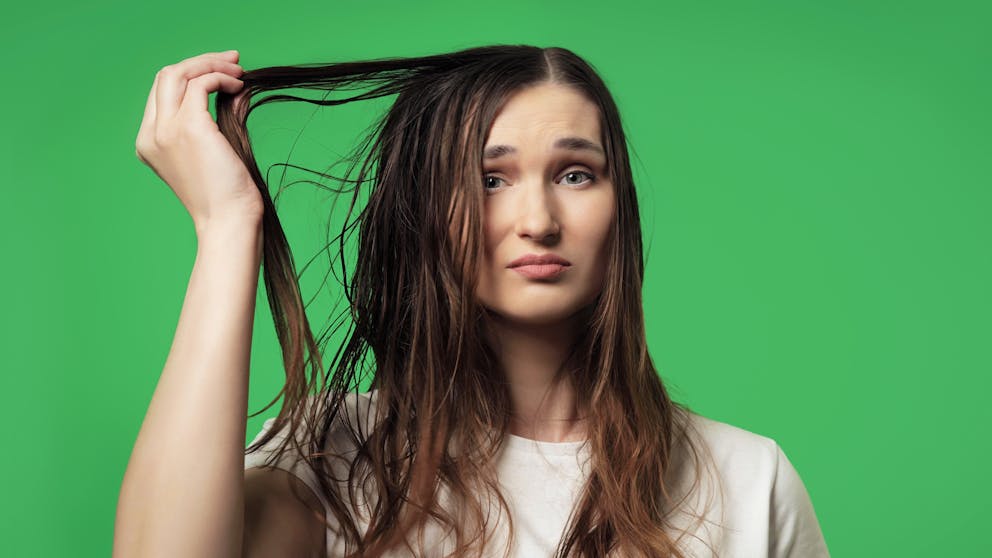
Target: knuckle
[144,144]
[144,150]
[164,135]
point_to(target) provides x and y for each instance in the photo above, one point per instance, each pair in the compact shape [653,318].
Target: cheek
[594,219]
[599,230]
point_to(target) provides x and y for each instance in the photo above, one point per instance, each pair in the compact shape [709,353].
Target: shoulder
[354,408]
[750,463]
[733,449]
[284,514]
[764,504]
[746,457]
[736,467]
[279,451]
[352,423]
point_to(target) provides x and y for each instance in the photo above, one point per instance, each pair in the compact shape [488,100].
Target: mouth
[540,271]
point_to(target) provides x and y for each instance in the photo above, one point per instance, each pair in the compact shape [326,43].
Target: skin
[538,201]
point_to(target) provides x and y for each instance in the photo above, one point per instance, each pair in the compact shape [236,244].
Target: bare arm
[183,490]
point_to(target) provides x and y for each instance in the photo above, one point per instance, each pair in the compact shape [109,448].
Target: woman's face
[547,192]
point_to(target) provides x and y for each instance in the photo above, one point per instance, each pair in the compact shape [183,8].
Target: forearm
[183,491]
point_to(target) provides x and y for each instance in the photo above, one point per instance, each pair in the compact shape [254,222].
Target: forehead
[540,114]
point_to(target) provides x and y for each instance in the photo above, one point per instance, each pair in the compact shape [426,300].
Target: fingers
[200,87]
[150,108]
[148,120]
[171,81]
[147,128]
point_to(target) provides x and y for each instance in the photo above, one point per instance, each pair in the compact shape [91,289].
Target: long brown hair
[443,403]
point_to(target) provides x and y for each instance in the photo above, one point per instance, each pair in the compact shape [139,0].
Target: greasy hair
[443,400]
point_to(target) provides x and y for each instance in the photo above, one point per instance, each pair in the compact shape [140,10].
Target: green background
[815,192]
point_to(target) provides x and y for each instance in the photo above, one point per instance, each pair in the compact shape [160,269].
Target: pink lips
[540,266]
[543,271]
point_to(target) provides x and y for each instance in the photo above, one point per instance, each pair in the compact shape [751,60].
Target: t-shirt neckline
[519,443]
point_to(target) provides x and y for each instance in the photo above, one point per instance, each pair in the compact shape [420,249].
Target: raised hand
[181,142]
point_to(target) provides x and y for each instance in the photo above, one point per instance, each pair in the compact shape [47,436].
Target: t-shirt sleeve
[290,461]
[794,531]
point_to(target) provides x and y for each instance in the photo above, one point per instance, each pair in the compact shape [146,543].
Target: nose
[537,213]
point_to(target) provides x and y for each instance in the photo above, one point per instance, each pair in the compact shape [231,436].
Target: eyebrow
[569,143]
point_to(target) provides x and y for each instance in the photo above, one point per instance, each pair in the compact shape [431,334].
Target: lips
[540,266]
[540,260]
[543,271]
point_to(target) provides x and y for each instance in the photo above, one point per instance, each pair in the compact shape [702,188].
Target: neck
[543,405]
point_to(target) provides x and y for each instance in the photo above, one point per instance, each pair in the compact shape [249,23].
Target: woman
[514,408]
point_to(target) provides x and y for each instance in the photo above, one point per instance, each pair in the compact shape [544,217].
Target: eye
[590,177]
[491,182]
[486,181]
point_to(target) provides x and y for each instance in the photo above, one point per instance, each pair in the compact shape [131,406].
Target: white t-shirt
[765,510]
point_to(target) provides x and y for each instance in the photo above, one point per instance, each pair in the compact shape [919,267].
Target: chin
[534,314]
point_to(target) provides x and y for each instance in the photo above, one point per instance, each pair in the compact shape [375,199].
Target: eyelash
[591,178]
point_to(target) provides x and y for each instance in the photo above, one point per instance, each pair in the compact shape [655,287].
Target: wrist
[224,231]
[242,222]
